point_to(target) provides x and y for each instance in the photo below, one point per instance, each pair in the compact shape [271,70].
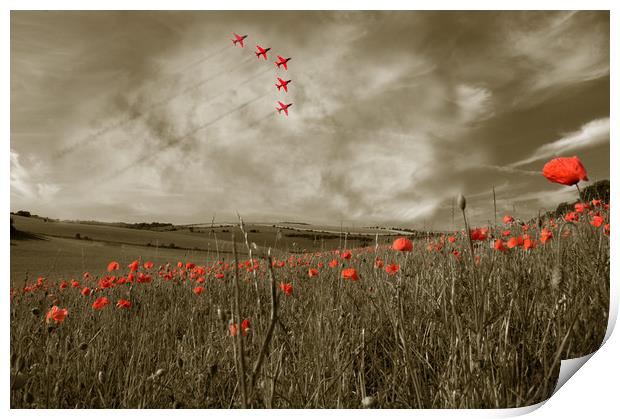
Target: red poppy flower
[512,243]
[606,229]
[100,303]
[499,245]
[85,291]
[286,288]
[456,254]
[506,233]
[190,265]
[529,243]
[112,266]
[350,273]
[392,269]
[219,275]
[63,285]
[565,170]
[333,263]
[198,290]
[123,304]
[56,314]
[545,235]
[597,221]
[148,265]
[312,272]
[451,239]
[245,326]
[143,279]
[596,202]
[580,206]
[133,266]
[402,245]
[379,263]
[508,219]
[479,234]
[201,280]
[346,255]
[571,216]
[75,284]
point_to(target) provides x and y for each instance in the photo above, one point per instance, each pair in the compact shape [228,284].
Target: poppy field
[475,318]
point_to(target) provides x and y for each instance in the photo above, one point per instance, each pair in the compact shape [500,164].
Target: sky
[157,116]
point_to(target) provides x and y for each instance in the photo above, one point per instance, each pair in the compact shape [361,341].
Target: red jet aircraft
[261,51]
[283,83]
[239,39]
[282,61]
[284,107]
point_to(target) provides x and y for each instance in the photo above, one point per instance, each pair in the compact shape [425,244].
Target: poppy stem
[272,325]
[579,191]
[239,337]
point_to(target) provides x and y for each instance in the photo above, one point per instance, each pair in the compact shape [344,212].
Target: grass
[440,333]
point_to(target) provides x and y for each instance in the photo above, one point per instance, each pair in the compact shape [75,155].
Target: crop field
[110,322]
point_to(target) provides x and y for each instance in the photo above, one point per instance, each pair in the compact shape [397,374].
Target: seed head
[369,402]
[461,202]
[556,277]
[28,397]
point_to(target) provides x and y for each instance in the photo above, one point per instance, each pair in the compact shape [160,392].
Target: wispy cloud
[589,135]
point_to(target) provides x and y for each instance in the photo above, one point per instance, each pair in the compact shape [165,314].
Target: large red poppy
[100,303]
[349,273]
[56,314]
[565,170]
[402,244]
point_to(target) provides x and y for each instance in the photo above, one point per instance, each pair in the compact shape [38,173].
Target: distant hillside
[598,190]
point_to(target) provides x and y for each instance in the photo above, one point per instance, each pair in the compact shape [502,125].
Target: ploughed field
[111,321]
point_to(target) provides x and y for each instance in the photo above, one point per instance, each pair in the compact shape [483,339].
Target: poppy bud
[19,363]
[460,201]
[369,402]
[556,277]
[221,315]
[28,397]
[213,370]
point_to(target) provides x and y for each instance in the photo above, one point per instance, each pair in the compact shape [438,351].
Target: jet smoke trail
[147,157]
[86,140]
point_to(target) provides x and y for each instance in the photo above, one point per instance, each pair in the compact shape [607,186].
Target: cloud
[557,50]
[589,135]
[475,103]
[25,185]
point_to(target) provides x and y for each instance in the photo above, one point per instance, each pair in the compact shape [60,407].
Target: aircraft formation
[281,63]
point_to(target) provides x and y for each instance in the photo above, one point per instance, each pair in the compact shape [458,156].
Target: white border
[593,392]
